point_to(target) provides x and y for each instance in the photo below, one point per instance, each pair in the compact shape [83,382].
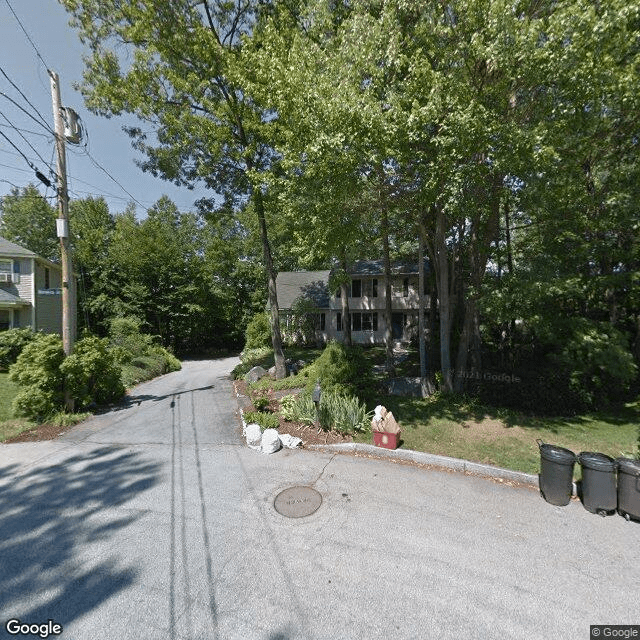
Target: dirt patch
[36,434]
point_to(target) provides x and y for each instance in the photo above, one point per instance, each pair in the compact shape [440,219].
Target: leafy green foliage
[264,419]
[141,358]
[258,332]
[27,219]
[37,372]
[598,362]
[337,412]
[12,342]
[92,374]
[340,368]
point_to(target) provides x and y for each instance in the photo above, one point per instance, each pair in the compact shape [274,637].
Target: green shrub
[265,420]
[337,412]
[249,358]
[298,408]
[340,368]
[258,332]
[598,362]
[344,414]
[12,342]
[92,374]
[126,339]
[37,372]
[141,358]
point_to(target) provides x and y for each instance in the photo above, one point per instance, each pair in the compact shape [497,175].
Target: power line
[10,99]
[22,136]
[17,88]
[39,175]
[28,37]
[33,133]
[97,164]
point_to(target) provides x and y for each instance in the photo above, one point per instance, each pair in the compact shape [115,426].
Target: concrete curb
[419,457]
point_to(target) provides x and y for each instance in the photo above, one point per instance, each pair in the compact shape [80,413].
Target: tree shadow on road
[50,517]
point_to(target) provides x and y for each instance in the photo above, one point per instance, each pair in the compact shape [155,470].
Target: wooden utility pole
[62,223]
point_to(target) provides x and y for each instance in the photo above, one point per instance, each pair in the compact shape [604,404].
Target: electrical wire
[22,136]
[28,37]
[99,166]
[39,175]
[33,133]
[17,88]
[10,99]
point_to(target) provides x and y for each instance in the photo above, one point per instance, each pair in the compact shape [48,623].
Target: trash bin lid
[556,454]
[629,465]
[596,461]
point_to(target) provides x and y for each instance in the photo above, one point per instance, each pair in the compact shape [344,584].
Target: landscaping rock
[255,374]
[270,441]
[272,371]
[253,434]
[404,387]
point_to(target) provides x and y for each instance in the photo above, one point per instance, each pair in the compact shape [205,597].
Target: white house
[30,290]
[366,301]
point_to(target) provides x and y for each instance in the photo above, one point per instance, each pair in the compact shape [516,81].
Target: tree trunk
[276,336]
[388,317]
[425,384]
[441,264]
[344,298]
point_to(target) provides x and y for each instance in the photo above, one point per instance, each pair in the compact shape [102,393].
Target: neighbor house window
[338,321]
[405,287]
[323,321]
[47,279]
[370,288]
[356,322]
[5,266]
[356,289]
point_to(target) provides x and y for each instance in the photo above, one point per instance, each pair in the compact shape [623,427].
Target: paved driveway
[153,521]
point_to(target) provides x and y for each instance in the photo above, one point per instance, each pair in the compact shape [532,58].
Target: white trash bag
[270,441]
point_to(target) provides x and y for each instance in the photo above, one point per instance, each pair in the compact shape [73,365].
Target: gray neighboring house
[30,290]
[366,301]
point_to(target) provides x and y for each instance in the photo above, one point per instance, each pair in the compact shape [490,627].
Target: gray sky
[46,22]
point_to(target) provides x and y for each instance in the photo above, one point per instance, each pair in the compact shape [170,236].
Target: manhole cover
[297,502]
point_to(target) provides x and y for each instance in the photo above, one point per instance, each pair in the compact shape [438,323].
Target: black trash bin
[556,473]
[629,488]
[599,492]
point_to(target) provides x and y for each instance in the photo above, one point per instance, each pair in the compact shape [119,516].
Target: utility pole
[62,223]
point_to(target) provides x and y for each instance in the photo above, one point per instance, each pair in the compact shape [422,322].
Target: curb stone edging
[455,464]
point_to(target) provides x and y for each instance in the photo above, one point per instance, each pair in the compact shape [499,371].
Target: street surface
[154,521]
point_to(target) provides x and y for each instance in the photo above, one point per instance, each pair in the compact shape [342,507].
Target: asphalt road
[155,522]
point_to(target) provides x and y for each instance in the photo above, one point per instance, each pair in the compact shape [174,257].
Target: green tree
[184,74]
[27,219]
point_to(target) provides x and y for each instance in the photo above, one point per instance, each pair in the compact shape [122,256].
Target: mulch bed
[41,432]
[308,434]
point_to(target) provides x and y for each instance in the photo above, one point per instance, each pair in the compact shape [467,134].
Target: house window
[356,289]
[47,279]
[338,321]
[366,321]
[405,287]
[5,319]
[323,321]
[375,287]
[5,266]
[370,288]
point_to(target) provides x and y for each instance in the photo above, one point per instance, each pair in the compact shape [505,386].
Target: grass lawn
[453,427]
[459,428]
[9,425]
